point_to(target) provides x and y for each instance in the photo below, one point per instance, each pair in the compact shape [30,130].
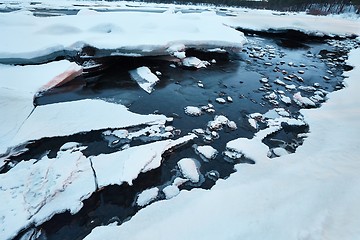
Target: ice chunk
[171,191]
[194,62]
[220,100]
[218,122]
[147,196]
[127,164]
[279,151]
[207,151]
[189,169]
[145,78]
[303,101]
[193,111]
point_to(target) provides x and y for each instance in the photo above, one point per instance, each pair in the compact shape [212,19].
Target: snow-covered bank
[126,33]
[265,20]
[312,194]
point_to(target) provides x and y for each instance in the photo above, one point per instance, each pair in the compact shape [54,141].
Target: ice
[127,32]
[42,189]
[67,118]
[18,85]
[218,122]
[189,169]
[262,20]
[171,191]
[303,101]
[193,111]
[145,78]
[220,100]
[147,196]
[126,165]
[207,151]
[280,151]
[194,62]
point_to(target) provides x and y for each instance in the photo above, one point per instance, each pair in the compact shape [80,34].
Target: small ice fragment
[285,99]
[279,82]
[213,61]
[69,145]
[301,71]
[158,73]
[303,101]
[180,55]
[198,131]
[172,65]
[218,122]
[200,85]
[326,78]
[290,87]
[189,169]
[280,151]
[145,78]
[171,191]
[268,64]
[179,181]
[229,99]
[193,111]
[207,151]
[122,133]
[232,125]
[272,96]
[220,100]
[253,123]
[264,80]
[194,62]
[287,78]
[148,195]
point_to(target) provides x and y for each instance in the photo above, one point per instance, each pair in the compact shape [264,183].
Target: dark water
[236,75]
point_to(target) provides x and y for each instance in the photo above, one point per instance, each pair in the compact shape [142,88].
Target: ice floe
[189,169]
[42,189]
[145,78]
[126,165]
[126,33]
[147,196]
[206,151]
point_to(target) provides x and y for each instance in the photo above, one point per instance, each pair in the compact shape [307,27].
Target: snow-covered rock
[147,196]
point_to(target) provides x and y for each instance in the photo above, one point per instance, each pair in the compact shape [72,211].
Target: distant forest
[298,5]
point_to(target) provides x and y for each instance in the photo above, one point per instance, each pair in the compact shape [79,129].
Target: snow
[194,62]
[42,189]
[124,32]
[171,191]
[305,195]
[303,101]
[67,118]
[207,151]
[193,111]
[262,20]
[18,85]
[312,186]
[126,165]
[189,169]
[145,78]
[147,196]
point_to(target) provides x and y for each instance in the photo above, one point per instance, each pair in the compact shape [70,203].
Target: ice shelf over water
[127,33]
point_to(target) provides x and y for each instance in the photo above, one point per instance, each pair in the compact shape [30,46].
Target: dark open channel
[272,56]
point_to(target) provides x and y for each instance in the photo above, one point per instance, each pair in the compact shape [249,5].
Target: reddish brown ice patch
[72,72]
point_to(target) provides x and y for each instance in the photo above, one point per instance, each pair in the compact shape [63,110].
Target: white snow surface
[207,151]
[262,20]
[312,194]
[189,169]
[146,196]
[126,165]
[18,85]
[139,33]
[34,191]
[67,118]
[145,78]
